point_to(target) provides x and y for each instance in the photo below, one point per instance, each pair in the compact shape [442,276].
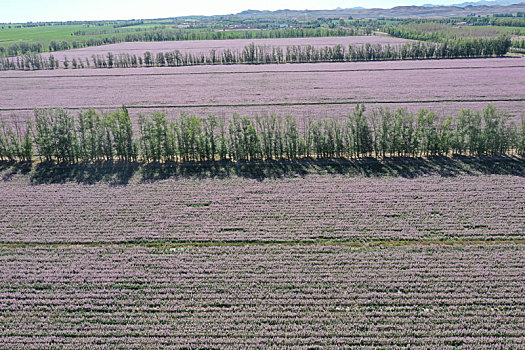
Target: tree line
[263,54]
[506,21]
[56,135]
[498,20]
[518,44]
[500,44]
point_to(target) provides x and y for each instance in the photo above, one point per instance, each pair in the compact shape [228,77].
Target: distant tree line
[128,24]
[496,20]
[506,20]
[445,29]
[32,62]
[262,54]
[57,135]
[500,43]
[20,49]
[518,44]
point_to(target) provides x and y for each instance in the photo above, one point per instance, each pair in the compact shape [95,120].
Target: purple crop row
[314,207]
[273,296]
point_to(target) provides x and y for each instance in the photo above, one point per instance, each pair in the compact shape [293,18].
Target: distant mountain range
[481,3]
[481,8]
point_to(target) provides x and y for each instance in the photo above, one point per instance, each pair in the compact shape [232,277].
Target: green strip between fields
[279,104]
[243,243]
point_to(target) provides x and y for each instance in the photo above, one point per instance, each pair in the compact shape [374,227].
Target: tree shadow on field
[115,173]
[364,167]
[121,173]
[259,170]
[8,169]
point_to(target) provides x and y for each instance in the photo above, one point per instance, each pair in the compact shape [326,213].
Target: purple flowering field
[263,296]
[311,261]
[204,46]
[316,90]
[311,208]
[426,254]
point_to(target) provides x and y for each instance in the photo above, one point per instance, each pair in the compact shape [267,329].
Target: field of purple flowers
[309,90]
[311,296]
[310,208]
[397,253]
[315,260]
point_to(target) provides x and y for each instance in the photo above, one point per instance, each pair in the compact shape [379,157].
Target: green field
[510,30]
[16,33]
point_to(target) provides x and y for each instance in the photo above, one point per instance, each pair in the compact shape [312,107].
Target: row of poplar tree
[263,54]
[58,135]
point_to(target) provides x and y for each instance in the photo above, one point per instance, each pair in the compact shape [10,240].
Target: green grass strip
[247,243]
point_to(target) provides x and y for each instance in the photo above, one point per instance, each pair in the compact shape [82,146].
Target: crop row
[263,296]
[310,208]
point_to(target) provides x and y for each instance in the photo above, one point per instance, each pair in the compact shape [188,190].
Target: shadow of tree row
[121,173]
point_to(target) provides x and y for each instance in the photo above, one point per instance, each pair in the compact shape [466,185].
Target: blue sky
[64,10]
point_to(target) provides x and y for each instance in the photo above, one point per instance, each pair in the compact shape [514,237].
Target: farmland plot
[310,208]
[225,258]
[305,90]
[263,296]
[197,47]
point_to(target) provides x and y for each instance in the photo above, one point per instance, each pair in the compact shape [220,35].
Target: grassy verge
[242,243]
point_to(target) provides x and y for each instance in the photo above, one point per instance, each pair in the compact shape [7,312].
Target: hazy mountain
[489,3]
[351,8]
[463,4]
[425,11]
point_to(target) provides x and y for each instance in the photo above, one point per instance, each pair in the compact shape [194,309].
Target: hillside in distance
[487,3]
[397,12]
